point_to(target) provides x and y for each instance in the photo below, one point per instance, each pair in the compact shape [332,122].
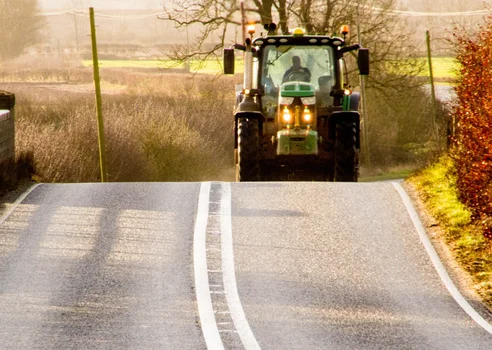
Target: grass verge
[437,187]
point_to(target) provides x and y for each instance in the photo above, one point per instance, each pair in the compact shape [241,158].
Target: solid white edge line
[451,287]
[202,289]
[17,203]
[230,285]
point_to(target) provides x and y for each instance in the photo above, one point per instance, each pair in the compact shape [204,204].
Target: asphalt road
[100,267]
[314,266]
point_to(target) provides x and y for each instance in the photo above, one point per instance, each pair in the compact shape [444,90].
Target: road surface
[223,266]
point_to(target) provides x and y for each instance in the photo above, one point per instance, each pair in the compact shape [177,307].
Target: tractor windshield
[314,64]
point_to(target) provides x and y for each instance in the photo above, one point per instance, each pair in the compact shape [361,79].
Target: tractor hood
[297,89]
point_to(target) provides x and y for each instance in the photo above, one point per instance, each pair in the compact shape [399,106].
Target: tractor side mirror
[228,61]
[363,61]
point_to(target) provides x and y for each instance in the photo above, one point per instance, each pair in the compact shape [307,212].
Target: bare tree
[215,18]
[381,30]
[20,26]
[384,32]
[208,16]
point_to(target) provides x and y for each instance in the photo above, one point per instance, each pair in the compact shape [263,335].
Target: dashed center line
[224,324]
[202,288]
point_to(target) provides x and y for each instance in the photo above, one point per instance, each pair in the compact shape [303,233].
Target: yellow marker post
[97,84]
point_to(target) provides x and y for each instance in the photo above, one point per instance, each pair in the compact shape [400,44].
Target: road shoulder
[460,277]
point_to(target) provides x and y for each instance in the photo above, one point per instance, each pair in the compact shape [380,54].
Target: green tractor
[295,117]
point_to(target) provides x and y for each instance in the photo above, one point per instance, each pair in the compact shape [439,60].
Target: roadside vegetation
[158,128]
[474,120]
[437,186]
[457,190]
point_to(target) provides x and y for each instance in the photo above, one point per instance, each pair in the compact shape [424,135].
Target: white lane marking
[202,289]
[16,203]
[437,262]
[237,312]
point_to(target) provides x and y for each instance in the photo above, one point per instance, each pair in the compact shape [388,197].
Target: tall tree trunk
[265,10]
[283,17]
[306,16]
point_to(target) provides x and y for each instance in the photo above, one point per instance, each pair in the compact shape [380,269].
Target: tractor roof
[314,40]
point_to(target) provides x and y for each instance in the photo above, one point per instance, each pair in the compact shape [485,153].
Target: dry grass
[159,128]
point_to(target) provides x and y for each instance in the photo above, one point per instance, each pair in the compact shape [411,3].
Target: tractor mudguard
[351,102]
[354,101]
[249,115]
[343,117]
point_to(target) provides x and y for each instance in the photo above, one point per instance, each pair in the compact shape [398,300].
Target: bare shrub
[402,128]
[163,129]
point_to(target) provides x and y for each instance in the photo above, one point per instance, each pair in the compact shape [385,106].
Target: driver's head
[296,61]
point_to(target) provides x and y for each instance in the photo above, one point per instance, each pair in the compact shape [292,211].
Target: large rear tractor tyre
[248,165]
[346,153]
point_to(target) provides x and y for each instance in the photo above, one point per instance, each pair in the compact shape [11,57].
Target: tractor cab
[274,66]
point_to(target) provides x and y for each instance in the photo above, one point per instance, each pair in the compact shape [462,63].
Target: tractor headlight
[307,116]
[286,116]
[286,100]
[308,100]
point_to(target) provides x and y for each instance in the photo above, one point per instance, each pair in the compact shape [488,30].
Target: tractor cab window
[313,64]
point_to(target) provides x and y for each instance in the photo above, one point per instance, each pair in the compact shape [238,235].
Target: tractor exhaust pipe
[248,104]
[248,67]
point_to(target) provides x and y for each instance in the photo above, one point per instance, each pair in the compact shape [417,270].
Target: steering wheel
[298,75]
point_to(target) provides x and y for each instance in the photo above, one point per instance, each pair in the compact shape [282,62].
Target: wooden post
[433,90]
[97,84]
[76,31]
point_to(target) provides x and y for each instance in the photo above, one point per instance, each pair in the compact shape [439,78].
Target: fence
[7,139]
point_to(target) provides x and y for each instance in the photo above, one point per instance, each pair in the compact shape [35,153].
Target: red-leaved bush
[474,124]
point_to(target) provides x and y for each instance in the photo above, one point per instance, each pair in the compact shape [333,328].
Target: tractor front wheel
[346,153]
[248,165]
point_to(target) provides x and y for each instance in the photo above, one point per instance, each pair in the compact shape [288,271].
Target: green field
[207,67]
[129,64]
[443,67]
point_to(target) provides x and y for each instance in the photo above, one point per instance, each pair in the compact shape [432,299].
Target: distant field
[444,67]
[128,63]
[208,67]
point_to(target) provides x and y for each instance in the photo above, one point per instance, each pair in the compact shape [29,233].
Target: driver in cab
[296,72]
